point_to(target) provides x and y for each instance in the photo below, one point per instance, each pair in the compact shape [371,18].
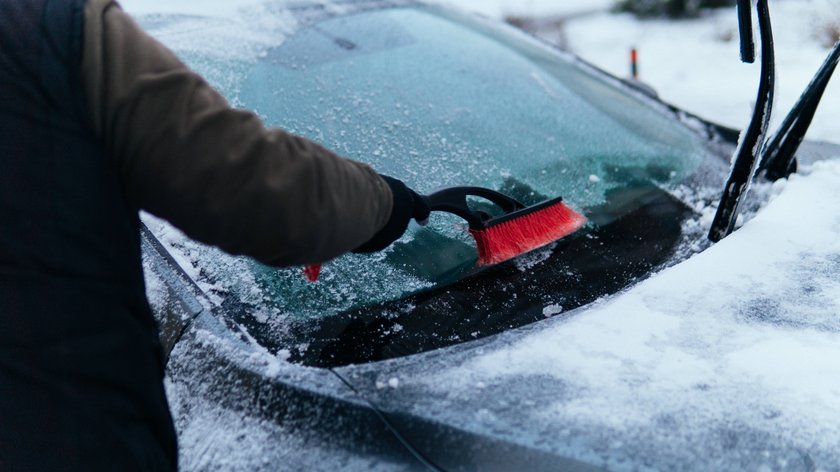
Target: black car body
[269,372]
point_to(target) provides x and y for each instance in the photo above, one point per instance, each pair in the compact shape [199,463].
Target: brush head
[312,272]
[524,230]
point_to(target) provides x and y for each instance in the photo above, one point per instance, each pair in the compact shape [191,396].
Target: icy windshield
[436,101]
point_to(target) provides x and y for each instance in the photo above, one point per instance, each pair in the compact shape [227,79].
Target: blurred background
[688,50]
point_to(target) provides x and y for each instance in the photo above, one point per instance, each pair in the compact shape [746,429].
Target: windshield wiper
[752,141]
[778,158]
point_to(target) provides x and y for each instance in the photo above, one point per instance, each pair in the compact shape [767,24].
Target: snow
[551,310]
[227,423]
[156,291]
[740,341]
[695,64]
[221,438]
[727,308]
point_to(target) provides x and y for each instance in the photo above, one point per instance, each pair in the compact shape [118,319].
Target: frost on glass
[221,42]
[435,103]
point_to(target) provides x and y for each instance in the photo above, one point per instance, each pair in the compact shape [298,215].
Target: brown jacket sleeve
[216,173]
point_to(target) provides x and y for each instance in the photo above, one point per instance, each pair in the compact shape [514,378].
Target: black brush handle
[454,200]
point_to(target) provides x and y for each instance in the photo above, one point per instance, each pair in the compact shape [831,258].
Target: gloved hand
[408,204]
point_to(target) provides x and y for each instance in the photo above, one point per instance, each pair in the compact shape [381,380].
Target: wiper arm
[746,31]
[778,159]
[746,156]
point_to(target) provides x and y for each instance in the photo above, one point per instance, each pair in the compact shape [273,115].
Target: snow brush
[516,231]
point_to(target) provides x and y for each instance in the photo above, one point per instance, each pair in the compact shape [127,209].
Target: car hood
[725,361]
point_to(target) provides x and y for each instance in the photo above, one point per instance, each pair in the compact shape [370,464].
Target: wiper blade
[778,159]
[751,143]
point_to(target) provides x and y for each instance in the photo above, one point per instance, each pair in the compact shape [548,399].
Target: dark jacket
[97,120]
[80,365]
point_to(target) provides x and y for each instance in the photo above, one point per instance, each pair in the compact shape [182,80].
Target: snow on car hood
[728,360]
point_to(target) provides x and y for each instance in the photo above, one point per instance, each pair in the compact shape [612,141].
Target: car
[416,358]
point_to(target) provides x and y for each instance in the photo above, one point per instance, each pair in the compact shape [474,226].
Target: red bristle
[312,272]
[506,240]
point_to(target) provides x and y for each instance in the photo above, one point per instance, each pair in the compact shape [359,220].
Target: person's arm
[216,173]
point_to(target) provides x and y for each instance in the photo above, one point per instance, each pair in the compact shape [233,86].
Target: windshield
[436,101]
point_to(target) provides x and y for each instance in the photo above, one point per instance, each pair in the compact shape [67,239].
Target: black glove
[408,204]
